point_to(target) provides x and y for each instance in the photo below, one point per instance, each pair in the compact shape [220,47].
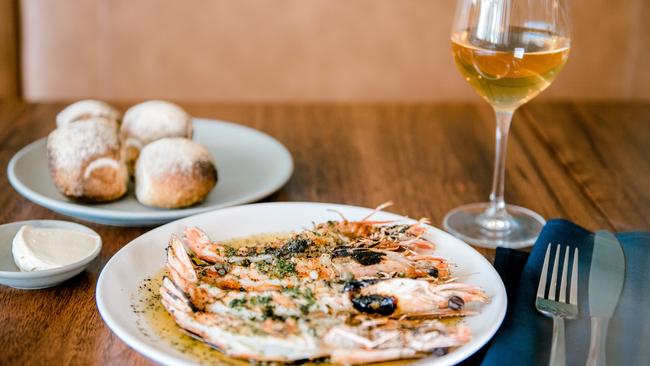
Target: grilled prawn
[311,257]
[390,297]
[293,339]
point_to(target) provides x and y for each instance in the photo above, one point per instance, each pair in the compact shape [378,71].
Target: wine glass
[509,51]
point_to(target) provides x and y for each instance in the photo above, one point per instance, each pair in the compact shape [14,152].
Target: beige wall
[277,50]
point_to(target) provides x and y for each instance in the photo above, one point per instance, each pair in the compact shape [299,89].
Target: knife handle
[598,342]
[558,351]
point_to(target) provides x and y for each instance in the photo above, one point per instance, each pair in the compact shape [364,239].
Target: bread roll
[174,172]
[84,161]
[87,109]
[149,121]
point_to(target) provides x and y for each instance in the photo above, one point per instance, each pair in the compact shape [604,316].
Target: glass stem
[496,217]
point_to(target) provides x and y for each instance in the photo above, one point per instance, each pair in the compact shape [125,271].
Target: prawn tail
[199,242]
[179,265]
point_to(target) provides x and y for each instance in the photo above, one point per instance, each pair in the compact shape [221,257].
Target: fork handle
[558,351]
[598,342]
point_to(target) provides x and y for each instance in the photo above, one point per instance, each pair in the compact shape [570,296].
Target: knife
[606,277]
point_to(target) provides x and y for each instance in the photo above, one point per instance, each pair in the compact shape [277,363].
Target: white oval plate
[250,163]
[145,257]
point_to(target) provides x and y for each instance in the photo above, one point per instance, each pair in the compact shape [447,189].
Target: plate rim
[156,355]
[85,212]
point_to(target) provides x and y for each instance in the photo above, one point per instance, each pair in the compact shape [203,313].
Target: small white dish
[10,274]
[144,257]
[251,165]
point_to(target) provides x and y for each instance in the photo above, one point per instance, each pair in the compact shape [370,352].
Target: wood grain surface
[589,163]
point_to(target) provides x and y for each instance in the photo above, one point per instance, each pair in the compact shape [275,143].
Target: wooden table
[588,162]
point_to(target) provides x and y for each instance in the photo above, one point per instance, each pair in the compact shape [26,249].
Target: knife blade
[606,279]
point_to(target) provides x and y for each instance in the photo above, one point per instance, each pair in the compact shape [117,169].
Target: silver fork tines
[551,290]
[559,306]
[573,291]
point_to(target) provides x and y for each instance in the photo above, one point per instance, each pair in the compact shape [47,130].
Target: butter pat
[37,249]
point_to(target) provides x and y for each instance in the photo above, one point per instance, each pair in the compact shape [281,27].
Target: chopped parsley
[280,268]
[237,303]
[307,295]
[269,313]
[230,251]
[284,267]
[294,291]
[261,300]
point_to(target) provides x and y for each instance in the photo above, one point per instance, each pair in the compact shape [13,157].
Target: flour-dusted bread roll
[85,161]
[174,172]
[85,110]
[149,121]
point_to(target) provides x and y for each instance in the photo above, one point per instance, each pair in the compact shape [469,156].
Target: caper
[455,302]
[440,351]
[222,268]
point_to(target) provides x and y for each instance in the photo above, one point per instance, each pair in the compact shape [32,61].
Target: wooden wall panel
[9,84]
[640,72]
[299,50]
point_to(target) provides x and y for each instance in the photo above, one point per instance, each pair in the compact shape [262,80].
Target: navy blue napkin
[525,335]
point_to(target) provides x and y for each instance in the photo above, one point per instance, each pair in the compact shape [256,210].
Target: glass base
[475,224]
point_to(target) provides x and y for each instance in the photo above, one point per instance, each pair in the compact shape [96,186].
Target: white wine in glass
[509,51]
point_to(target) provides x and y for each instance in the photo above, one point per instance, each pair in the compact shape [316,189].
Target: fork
[564,306]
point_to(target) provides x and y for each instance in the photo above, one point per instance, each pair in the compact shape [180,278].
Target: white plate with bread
[155,165]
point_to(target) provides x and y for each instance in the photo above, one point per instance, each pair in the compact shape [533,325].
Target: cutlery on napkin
[525,335]
[606,277]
